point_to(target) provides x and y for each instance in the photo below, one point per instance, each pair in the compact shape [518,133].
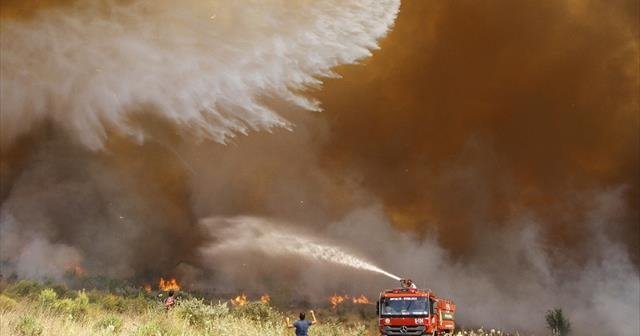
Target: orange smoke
[240,300]
[168,285]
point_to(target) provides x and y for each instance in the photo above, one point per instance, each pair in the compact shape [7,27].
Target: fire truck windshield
[404,306]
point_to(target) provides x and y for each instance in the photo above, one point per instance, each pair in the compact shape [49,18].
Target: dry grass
[31,317]
[30,309]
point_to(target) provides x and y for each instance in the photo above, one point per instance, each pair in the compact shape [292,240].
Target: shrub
[155,328]
[95,295]
[111,302]
[61,290]
[82,298]
[24,288]
[137,305]
[557,322]
[76,308]
[7,303]
[48,297]
[109,323]
[199,314]
[64,305]
[28,326]
[257,311]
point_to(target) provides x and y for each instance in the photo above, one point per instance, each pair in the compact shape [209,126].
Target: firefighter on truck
[409,310]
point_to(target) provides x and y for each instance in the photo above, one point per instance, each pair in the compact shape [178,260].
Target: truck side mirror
[378,308]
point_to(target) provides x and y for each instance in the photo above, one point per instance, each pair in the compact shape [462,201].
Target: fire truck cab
[414,312]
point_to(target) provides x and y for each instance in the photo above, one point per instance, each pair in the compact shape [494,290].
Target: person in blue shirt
[302,325]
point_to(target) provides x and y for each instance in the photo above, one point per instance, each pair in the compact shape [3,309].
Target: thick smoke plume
[76,72]
[510,282]
[489,151]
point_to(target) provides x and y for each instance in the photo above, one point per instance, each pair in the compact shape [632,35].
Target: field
[31,309]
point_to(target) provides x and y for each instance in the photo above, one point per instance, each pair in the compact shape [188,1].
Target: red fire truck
[409,311]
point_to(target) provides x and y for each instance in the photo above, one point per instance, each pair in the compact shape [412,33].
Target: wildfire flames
[361,300]
[336,300]
[168,285]
[265,299]
[240,300]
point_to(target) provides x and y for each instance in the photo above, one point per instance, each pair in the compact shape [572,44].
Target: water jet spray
[252,233]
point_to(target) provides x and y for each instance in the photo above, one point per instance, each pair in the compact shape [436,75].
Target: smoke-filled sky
[488,149]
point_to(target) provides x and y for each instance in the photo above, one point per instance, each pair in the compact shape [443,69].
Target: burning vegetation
[265,299]
[240,300]
[337,300]
[168,285]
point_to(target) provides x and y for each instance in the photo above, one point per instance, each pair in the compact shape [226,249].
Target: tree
[557,322]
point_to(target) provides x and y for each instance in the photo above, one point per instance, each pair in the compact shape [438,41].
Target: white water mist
[253,233]
[89,66]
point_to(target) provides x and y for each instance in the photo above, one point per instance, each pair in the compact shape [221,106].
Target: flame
[168,285]
[147,288]
[337,300]
[265,299]
[361,300]
[240,300]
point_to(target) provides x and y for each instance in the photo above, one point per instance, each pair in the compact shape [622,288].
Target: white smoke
[32,254]
[90,66]
[510,282]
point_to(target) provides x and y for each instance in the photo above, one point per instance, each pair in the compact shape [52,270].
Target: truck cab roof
[401,292]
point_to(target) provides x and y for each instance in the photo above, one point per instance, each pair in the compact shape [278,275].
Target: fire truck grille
[404,330]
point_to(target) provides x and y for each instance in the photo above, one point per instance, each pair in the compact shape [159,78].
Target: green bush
[155,328]
[48,297]
[95,295]
[64,305]
[24,288]
[109,323]
[557,322]
[61,290]
[28,326]
[199,314]
[7,303]
[138,305]
[257,311]
[82,298]
[114,303]
[76,308]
